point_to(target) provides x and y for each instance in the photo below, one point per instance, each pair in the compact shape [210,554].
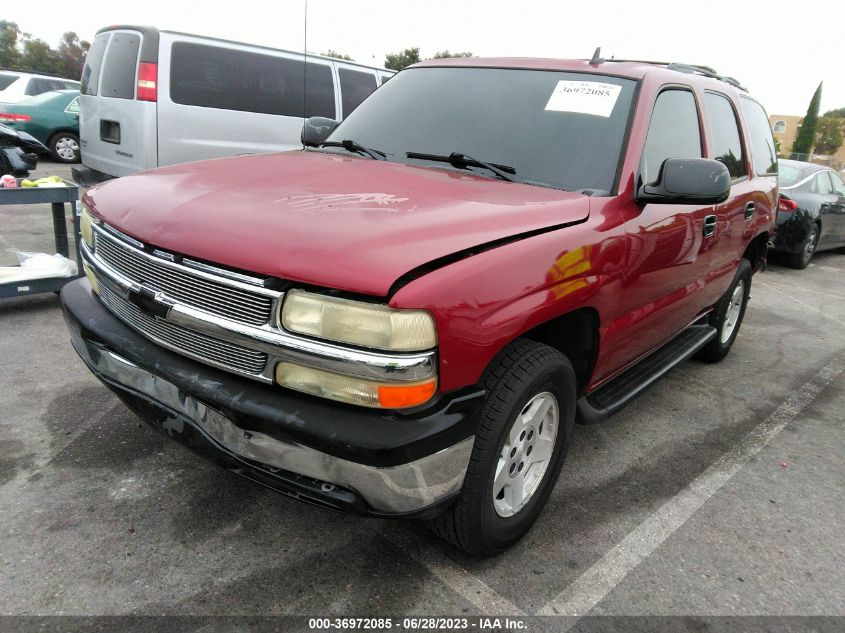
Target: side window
[355,86]
[724,134]
[214,77]
[673,131]
[73,106]
[821,184]
[763,155]
[838,184]
[93,61]
[118,74]
[37,86]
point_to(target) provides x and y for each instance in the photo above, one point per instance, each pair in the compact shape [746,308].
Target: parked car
[16,86]
[51,117]
[406,317]
[152,98]
[811,211]
[18,152]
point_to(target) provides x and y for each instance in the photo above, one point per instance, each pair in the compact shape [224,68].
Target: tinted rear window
[214,77]
[788,175]
[355,86]
[763,155]
[118,75]
[7,80]
[91,71]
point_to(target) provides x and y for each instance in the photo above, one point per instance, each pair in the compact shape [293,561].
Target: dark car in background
[811,211]
[51,117]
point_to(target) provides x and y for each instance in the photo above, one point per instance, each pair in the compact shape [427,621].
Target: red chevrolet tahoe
[406,317]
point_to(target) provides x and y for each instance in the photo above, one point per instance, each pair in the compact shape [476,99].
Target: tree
[398,61]
[446,54]
[331,53]
[9,54]
[838,114]
[38,56]
[807,132]
[829,135]
[71,55]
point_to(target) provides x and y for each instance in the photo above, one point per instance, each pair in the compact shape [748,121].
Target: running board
[613,396]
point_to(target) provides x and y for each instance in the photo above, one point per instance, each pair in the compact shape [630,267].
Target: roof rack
[706,71]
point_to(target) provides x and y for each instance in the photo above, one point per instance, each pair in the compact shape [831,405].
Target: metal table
[57,198]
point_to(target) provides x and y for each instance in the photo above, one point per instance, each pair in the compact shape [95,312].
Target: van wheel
[64,147]
[727,315]
[525,430]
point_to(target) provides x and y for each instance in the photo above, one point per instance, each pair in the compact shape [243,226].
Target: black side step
[611,397]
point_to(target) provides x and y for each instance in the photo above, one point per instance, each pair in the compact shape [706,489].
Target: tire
[524,373]
[802,259]
[727,315]
[64,147]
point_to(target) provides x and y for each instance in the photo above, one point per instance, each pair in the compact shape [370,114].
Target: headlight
[358,323]
[86,226]
[353,390]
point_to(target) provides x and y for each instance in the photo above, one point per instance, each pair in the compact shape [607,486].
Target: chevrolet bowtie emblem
[148,301]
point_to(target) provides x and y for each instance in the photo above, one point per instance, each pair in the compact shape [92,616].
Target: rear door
[838,206]
[117,128]
[222,99]
[822,189]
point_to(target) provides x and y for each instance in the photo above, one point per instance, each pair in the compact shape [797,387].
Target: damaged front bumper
[338,456]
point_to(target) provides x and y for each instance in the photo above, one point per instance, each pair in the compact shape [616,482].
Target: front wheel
[728,314]
[64,147]
[525,430]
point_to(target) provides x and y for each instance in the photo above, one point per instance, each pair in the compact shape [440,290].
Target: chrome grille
[217,298]
[188,342]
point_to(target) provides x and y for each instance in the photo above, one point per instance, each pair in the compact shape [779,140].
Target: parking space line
[452,575]
[599,580]
[806,305]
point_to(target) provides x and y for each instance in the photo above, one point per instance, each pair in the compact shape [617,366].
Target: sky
[779,50]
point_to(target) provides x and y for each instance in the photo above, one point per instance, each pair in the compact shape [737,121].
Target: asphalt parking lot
[718,493]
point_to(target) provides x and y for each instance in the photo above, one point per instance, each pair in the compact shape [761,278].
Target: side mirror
[687,181]
[316,130]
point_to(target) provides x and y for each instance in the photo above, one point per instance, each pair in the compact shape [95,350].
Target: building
[785,129]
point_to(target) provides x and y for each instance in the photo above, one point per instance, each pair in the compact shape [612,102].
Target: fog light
[366,393]
[95,285]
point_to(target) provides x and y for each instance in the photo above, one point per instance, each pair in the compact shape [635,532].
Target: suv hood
[343,222]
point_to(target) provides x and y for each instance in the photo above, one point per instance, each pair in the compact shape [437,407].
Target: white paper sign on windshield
[584,97]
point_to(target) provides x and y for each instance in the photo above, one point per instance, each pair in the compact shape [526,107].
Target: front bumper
[347,458]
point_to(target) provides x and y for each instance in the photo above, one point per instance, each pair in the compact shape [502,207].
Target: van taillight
[147,78]
[787,205]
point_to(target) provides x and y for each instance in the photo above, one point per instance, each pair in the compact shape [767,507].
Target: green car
[51,117]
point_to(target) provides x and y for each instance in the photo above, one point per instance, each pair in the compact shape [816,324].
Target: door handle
[750,209]
[709,225]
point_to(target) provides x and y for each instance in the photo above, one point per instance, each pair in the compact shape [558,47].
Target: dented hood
[349,223]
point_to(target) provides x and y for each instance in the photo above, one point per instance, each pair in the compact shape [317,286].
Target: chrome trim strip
[222,272]
[397,489]
[137,248]
[282,345]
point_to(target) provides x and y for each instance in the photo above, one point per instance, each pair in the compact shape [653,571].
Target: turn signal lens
[92,279]
[353,390]
[86,227]
[358,323]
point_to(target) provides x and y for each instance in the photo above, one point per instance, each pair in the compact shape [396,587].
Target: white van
[151,98]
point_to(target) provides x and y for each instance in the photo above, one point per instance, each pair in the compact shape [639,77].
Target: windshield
[556,129]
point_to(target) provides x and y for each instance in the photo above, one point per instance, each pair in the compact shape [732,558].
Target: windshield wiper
[462,161]
[354,146]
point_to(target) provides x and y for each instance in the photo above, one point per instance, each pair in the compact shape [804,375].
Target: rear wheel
[727,315]
[802,259]
[525,430]
[64,147]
